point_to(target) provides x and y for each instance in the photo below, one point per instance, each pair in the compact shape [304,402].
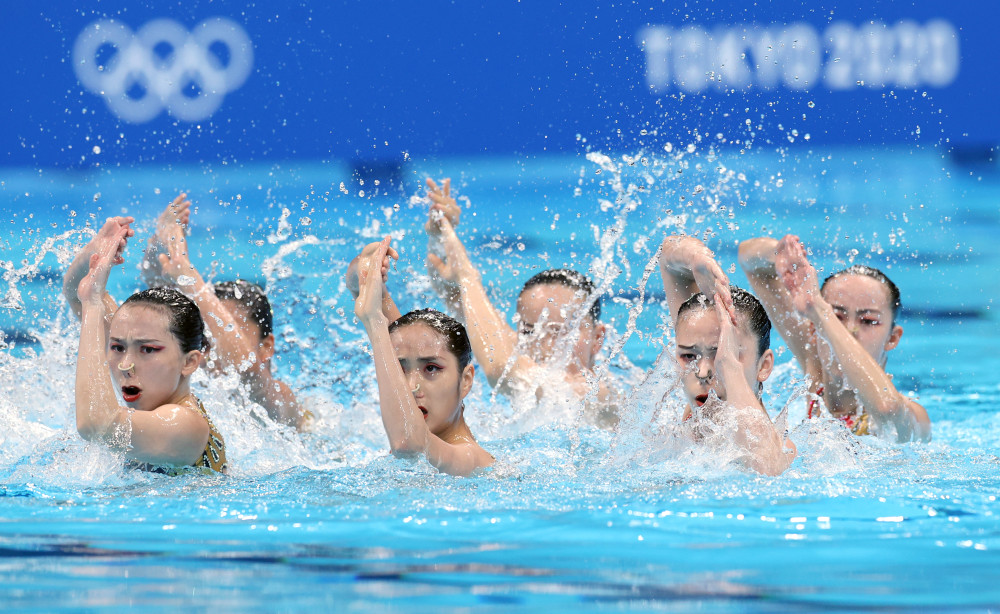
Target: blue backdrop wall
[104,82]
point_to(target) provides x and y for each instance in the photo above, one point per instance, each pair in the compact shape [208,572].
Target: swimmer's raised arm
[763,447]
[80,267]
[493,341]
[404,423]
[688,267]
[351,278]
[862,375]
[442,204]
[757,258]
[233,347]
[170,434]
[177,213]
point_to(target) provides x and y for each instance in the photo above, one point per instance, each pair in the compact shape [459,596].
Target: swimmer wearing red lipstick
[423,364]
[722,336]
[151,344]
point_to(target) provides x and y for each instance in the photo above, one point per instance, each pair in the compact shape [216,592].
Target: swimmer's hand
[109,251]
[362,262]
[455,268]
[176,214]
[368,304]
[685,259]
[443,206]
[711,280]
[175,262]
[798,276]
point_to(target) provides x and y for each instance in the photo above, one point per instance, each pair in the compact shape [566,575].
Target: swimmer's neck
[457,433]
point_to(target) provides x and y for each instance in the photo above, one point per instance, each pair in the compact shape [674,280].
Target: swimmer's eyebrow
[693,347]
[877,312]
[139,341]
[426,359]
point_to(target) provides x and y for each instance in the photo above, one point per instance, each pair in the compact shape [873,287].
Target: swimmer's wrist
[819,311]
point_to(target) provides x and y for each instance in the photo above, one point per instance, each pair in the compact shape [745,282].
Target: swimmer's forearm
[97,409]
[756,256]
[874,388]
[232,346]
[403,421]
[682,260]
[493,341]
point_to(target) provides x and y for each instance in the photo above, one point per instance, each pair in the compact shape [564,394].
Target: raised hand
[712,281]
[177,213]
[175,263]
[108,250]
[443,206]
[795,272]
[372,272]
[455,265]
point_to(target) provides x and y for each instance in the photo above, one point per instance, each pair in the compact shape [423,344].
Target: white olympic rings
[149,71]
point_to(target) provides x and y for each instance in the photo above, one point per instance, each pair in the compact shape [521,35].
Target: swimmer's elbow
[756,254]
[406,446]
[90,431]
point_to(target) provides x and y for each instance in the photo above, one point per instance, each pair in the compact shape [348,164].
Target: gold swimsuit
[213,457]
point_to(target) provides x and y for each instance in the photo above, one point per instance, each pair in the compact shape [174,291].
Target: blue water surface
[572,518]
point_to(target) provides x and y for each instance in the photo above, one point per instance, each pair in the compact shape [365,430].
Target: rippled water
[572,517]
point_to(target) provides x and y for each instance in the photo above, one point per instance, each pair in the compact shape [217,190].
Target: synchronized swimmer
[839,333]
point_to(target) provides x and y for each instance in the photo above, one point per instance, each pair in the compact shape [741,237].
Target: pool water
[572,518]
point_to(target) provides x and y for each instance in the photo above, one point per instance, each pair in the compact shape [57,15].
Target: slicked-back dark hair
[185,322]
[877,275]
[450,328]
[747,306]
[574,280]
[252,298]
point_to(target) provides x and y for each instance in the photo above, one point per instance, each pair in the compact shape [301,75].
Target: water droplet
[96,149]
[812,105]
[185,280]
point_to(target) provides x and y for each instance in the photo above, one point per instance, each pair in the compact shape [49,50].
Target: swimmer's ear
[266,348]
[465,382]
[191,362]
[897,332]
[600,330]
[765,364]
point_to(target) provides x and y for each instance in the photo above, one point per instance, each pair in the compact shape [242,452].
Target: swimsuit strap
[813,402]
[214,456]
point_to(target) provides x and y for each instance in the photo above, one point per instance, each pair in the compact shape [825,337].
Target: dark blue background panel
[94,82]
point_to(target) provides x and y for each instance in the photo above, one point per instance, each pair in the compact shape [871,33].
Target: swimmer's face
[862,305]
[427,361]
[542,313]
[251,329]
[697,333]
[140,335]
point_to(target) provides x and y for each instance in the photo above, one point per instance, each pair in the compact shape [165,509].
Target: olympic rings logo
[163,66]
